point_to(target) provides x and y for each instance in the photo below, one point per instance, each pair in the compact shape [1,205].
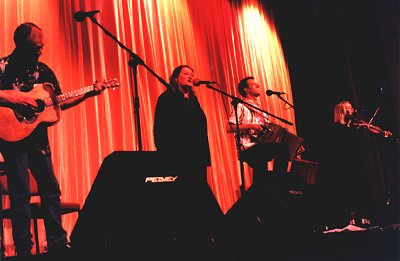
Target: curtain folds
[222,40]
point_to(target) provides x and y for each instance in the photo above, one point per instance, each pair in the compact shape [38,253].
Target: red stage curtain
[222,40]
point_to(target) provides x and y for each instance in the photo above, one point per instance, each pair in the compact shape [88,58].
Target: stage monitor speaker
[269,216]
[135,209]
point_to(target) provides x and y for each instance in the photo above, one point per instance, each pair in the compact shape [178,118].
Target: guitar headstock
[111,83]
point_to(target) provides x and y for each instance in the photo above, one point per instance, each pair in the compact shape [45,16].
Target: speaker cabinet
[139,206]
[268,219]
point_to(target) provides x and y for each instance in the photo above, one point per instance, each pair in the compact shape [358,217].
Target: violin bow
[373,116]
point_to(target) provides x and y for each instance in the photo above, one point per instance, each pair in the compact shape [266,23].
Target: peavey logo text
[160,179]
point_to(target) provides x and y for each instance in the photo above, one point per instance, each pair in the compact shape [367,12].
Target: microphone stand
[279,96]
[235,102]
[134,61]
[248,104]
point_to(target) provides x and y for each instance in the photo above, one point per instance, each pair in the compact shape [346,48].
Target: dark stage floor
[374,244]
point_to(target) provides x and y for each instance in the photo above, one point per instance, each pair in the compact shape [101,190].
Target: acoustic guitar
[18,123]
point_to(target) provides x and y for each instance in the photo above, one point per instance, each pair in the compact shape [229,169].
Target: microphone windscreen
[196,81]
[79,16]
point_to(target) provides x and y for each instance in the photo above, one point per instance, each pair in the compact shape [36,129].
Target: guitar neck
[50,101]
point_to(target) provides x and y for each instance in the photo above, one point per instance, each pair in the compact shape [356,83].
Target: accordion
[274,133]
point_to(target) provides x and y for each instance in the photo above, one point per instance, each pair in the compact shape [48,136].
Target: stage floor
[376,243]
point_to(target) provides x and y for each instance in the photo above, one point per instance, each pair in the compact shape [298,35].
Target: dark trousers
[18,160]
[260,154]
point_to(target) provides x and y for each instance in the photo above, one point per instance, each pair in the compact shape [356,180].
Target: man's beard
[27,57]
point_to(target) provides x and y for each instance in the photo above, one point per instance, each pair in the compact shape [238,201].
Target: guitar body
[17,124]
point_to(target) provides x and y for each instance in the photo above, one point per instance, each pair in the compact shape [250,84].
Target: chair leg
[36,232]
[2,250]
[1,225]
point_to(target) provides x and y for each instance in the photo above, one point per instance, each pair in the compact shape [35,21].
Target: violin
[361,124]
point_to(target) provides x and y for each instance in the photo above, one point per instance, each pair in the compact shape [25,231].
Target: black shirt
[180,129]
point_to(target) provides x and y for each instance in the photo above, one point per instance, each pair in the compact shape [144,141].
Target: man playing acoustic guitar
[20,73]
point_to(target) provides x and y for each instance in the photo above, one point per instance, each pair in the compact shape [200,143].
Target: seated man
[251,122]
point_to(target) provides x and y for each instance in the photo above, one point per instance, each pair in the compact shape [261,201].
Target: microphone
[197,82]
[270,92]
[80,16]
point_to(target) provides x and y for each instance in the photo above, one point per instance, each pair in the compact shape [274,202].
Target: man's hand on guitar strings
[24,101]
